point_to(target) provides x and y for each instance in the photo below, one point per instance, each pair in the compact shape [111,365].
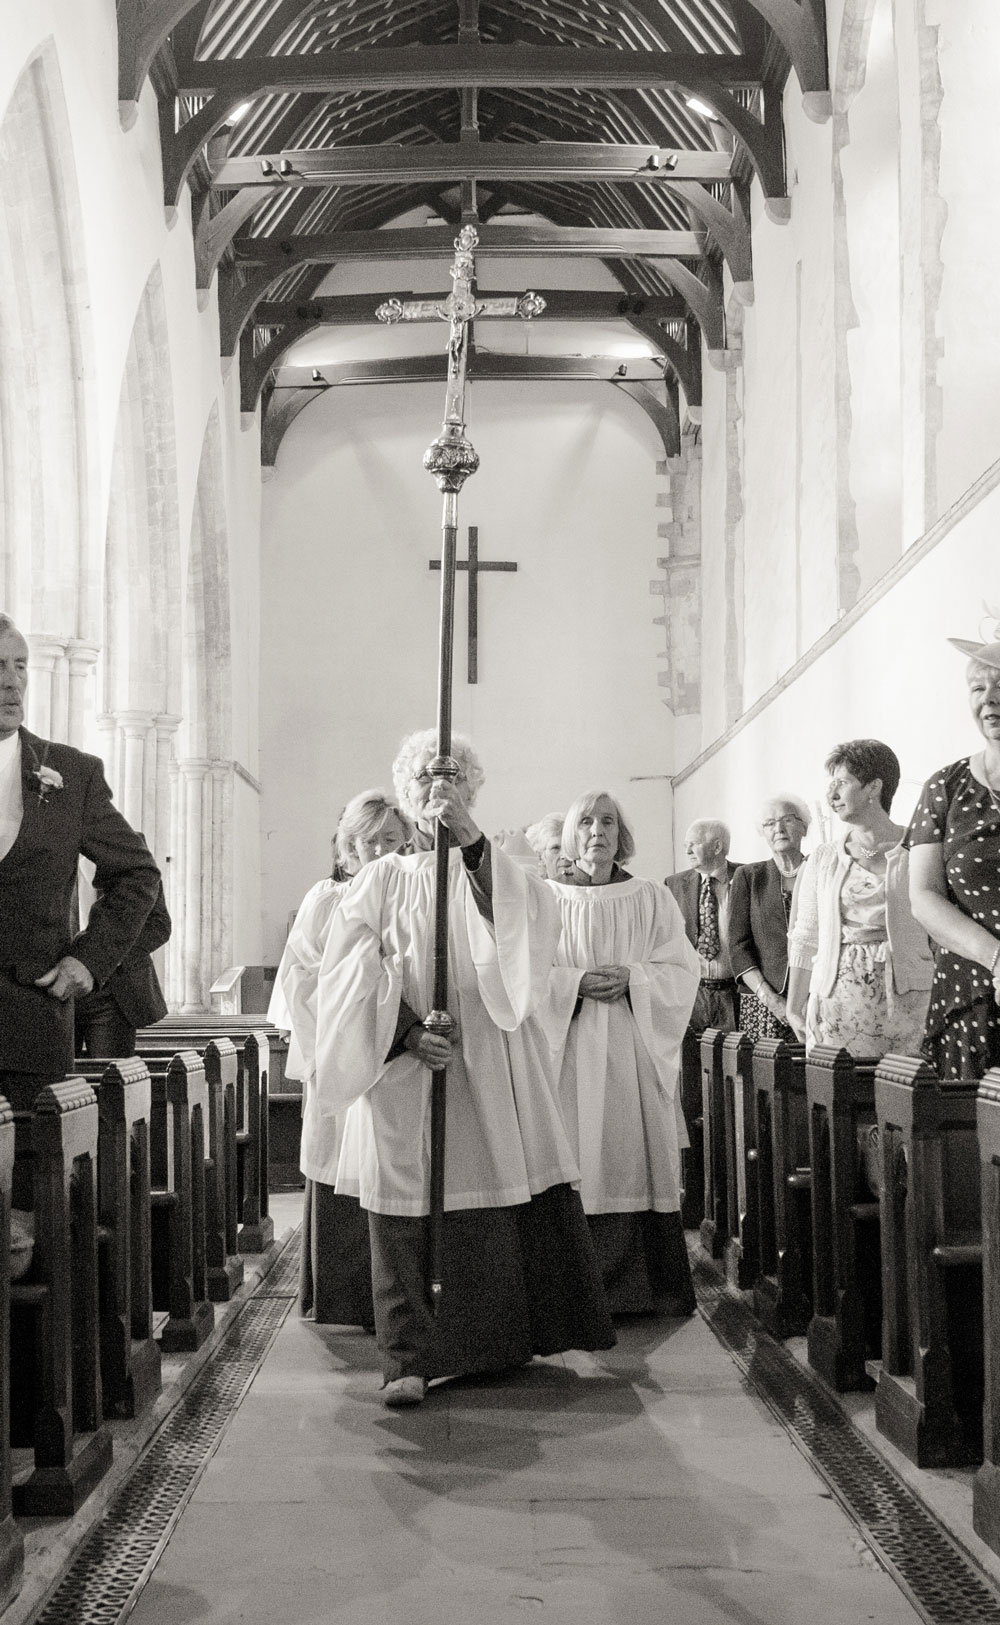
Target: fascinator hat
[987,654]
[986,651]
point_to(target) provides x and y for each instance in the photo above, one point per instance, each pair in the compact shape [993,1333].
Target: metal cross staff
[451,459]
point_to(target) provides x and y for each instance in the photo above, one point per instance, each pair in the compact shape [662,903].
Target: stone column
[47,700]
[193,776]
[134,728]
[82,658]
[159,831]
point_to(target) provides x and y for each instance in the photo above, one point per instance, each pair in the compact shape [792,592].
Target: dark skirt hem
[335,1269]
[517,1281]
[644,1263]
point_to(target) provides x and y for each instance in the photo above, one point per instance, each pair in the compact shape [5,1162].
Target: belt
[718,981]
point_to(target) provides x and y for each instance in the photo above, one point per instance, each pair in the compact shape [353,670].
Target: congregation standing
[574,983]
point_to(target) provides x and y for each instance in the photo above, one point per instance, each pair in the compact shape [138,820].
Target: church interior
[734,387]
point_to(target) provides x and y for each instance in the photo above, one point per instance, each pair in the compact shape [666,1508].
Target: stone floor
[647,1486]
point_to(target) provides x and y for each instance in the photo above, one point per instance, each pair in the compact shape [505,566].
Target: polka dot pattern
[958,813]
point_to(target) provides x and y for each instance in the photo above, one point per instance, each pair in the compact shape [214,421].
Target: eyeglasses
[779,823]
[423,777]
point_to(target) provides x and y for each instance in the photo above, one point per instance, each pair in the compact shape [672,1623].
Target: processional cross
[451,458]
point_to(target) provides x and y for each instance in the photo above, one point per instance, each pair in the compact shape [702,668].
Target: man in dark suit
[55,807]
[107,1017]
[702,893]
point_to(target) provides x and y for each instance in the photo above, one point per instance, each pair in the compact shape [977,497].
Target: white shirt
[11,801]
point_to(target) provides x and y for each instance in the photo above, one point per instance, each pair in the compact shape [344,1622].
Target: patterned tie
[708,944]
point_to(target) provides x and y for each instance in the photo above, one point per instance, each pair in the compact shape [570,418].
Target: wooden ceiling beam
[295,387]
[660,407]
[561,305]
[470,160]
[436,242]
[460,67]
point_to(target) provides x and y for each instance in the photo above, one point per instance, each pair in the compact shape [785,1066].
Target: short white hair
[784,799]
[544,833]
[586,804]
[712,829]
[420,748]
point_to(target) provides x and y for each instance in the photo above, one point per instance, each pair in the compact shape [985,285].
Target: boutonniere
[47,779]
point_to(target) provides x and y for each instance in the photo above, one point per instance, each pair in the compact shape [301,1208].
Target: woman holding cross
[519,1276]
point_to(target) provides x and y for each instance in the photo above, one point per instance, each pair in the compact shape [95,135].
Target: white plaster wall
[126,232]
[890,675]
[568,697]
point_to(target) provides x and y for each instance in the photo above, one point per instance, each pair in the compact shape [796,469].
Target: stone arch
[141,662]
[201,876]
[866,234]
[49,575]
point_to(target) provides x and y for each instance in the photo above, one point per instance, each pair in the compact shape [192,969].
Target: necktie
[708,943]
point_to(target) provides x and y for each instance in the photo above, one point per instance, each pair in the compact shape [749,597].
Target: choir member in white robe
[519,1270]
[335,1272]
[622,992]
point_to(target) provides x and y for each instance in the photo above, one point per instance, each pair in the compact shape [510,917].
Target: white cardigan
[814,935]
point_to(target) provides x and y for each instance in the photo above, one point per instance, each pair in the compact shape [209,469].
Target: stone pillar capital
[45,649]
[82,655]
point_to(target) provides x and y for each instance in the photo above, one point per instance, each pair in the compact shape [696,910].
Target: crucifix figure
[474,565]
[451,459]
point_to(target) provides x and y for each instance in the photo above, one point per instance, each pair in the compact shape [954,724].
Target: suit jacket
[686,885]
[135,986]
[758,935]
[37,880]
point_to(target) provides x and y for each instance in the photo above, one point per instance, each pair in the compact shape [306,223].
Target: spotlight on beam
[317,376]
[239,112]
[698,106]
[285,166]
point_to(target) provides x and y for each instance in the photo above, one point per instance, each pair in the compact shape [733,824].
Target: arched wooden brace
[214,232]
[280,409]
[255,369]
[662,412]
[703,299]
[685,363]
[763,140]
[801,27]
[729,230]
[143,27]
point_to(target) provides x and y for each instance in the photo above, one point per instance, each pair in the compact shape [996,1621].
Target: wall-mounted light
[698,106]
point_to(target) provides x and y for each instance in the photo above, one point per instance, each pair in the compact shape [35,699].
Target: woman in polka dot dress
[954,841]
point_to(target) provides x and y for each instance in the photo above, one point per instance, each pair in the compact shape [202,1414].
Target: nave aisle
[649,1485]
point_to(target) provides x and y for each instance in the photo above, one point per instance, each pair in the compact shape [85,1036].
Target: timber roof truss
[314,133]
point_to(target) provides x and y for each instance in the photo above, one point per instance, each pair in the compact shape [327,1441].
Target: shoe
[404,1391]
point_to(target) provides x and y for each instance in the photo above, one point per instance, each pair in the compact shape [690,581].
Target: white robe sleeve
[295,982]
[514,955]
[662,988]
[357,998]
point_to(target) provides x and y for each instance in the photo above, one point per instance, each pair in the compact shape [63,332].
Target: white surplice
[620,1064]
[293,1009]
[505,1138]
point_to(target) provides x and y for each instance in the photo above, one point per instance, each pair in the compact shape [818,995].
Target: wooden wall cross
[474,565]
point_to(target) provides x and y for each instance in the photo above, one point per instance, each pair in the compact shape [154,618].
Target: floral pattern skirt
[863,1013]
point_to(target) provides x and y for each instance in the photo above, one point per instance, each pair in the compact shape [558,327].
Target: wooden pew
[250,1036]
[742,1246]
[11,1539]
[693,1157]
[783,1290]
[221,1062]
[130,1358]
[179,1113]
[986,1487]
[929,1398]
[54,1310]
[715,1223]
[846,1324]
